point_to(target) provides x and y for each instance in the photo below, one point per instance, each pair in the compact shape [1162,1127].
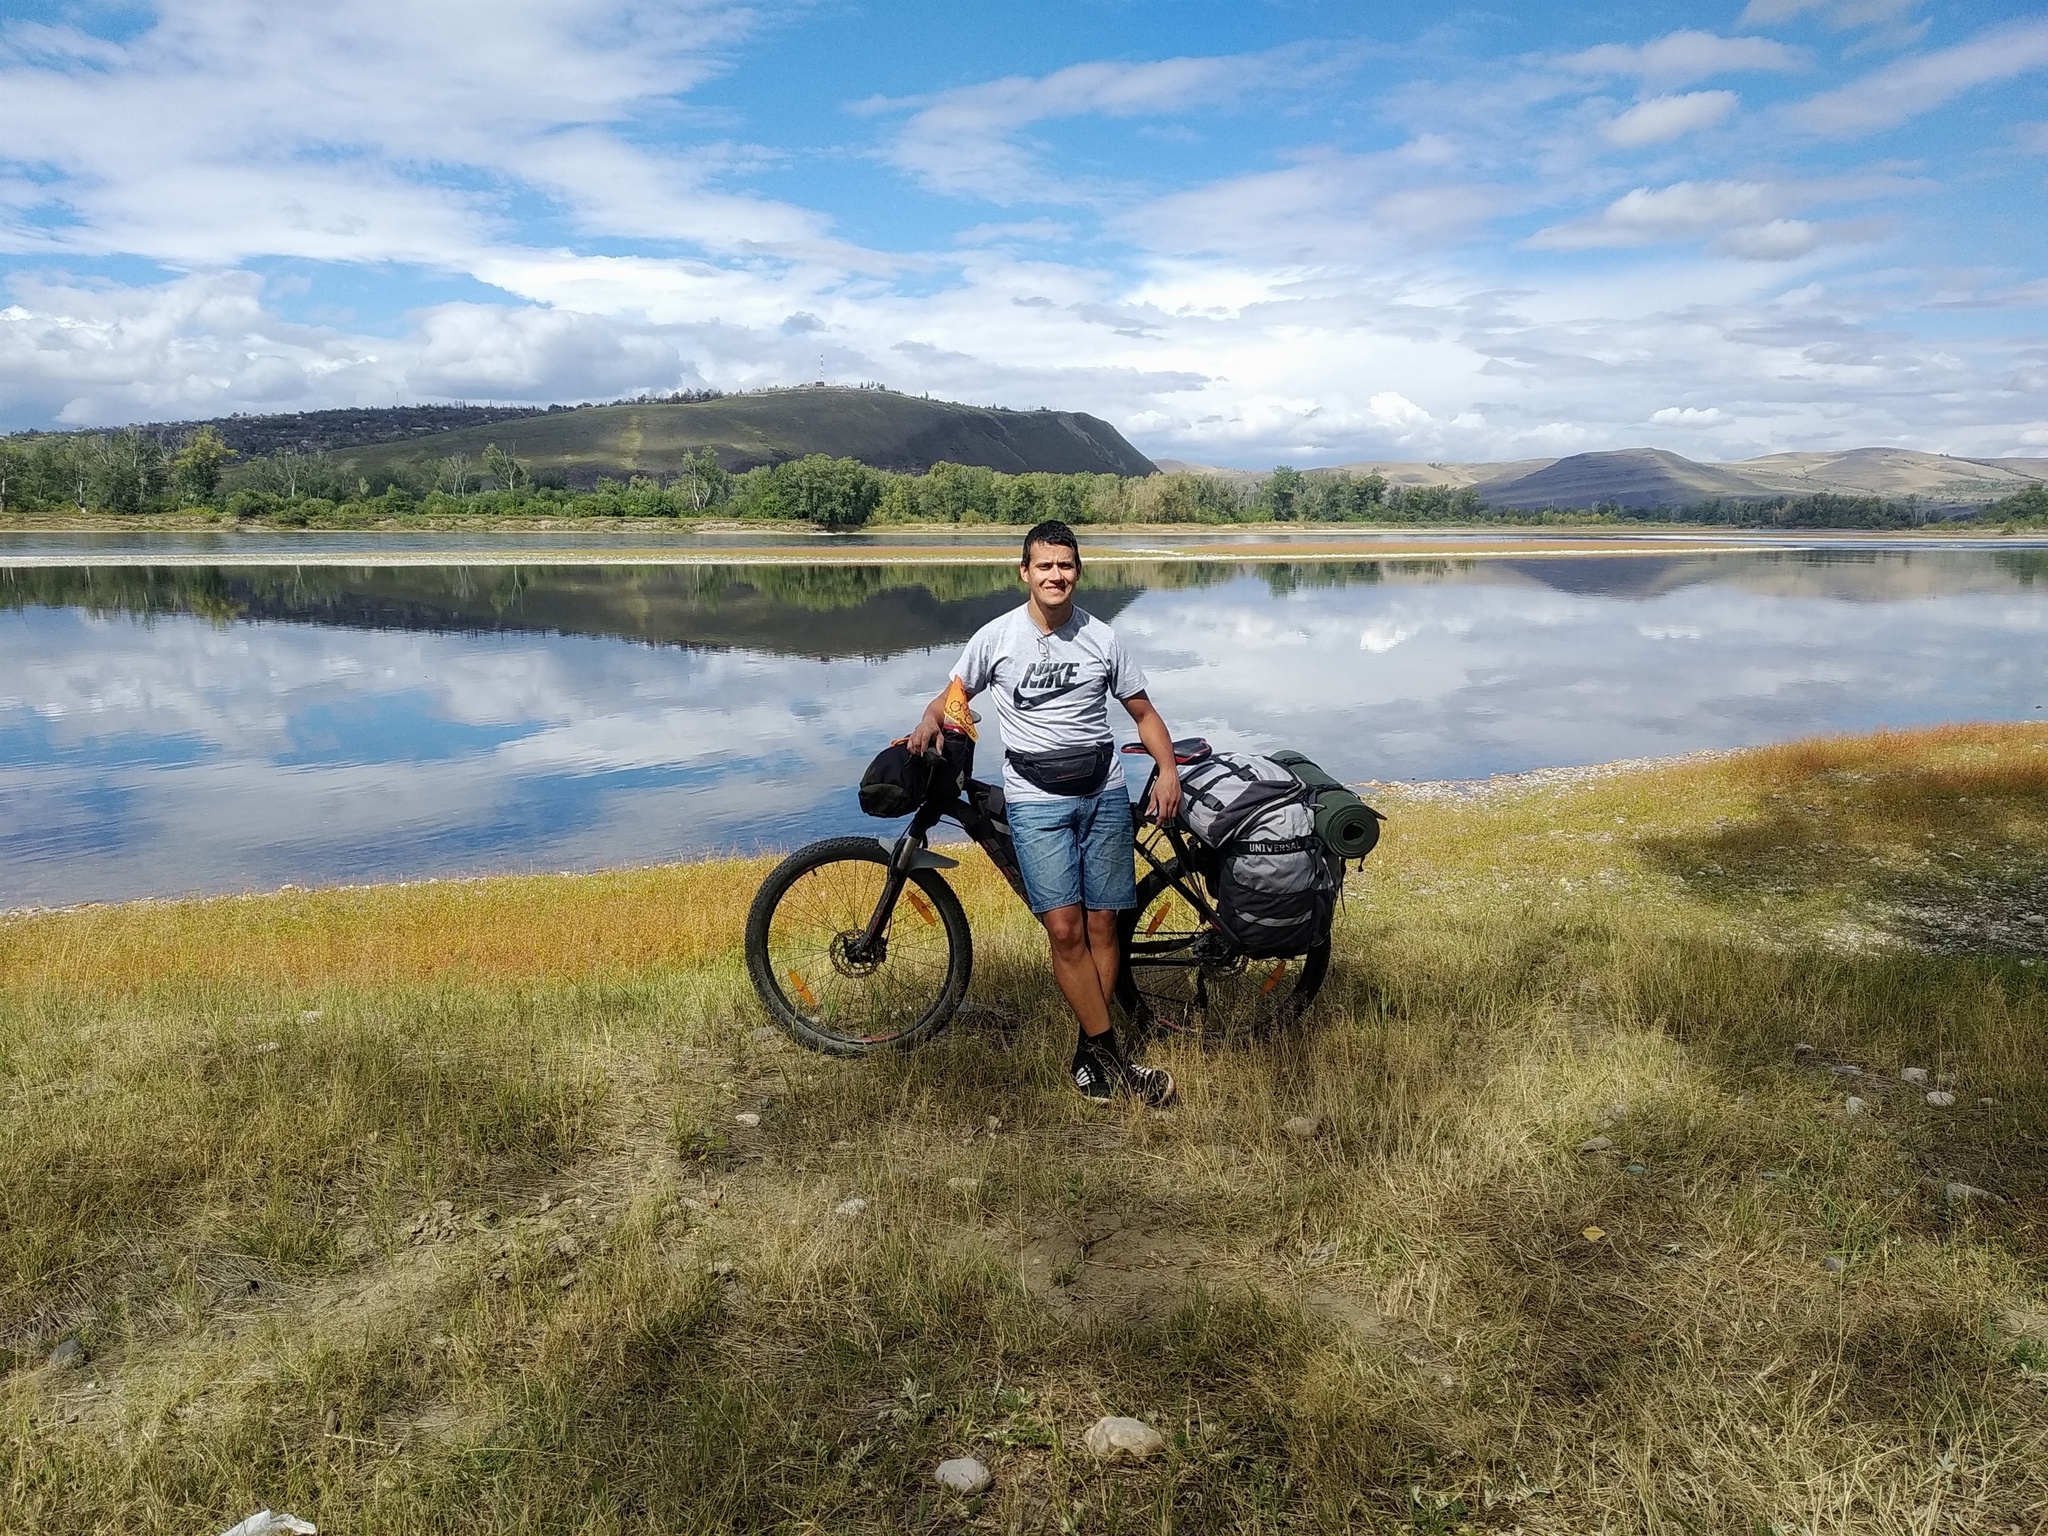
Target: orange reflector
[1157,918]
[924,908]
[802,991]
[1273,977]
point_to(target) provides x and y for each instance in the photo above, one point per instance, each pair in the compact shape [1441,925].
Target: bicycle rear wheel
[1181,975]
[801,937]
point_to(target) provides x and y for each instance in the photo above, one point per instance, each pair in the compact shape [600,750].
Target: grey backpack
[1275,882]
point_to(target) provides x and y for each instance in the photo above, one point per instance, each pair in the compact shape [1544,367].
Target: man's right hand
[925,738]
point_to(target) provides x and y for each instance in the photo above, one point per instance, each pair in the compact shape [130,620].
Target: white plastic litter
[264,1523]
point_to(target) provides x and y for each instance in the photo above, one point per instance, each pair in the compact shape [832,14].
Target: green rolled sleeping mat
[1346,824]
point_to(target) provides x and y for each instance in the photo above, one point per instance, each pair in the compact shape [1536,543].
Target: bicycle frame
[971,813]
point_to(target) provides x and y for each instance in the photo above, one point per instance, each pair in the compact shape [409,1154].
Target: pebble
[1833,1265]
[1110,1438]
[852,1205]
[1987,1103]
[310,1016]
[1917,1076]
[965,1186]
[1844,1069]
[67,1354]
[1597,1144]
[1853,1105]
[1635,1170]
[765,1034]
[1301,1127]
[1963,1194]
[748,1119]
[964,1475]
[1941,1098]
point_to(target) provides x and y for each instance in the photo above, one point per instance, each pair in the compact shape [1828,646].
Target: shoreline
[1472,792]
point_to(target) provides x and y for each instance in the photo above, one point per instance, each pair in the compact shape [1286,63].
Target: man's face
[1052,572]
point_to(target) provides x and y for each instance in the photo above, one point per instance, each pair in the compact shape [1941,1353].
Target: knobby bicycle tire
[807,1016]
[1143,989]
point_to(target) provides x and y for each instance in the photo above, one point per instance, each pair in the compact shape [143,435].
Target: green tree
[197,465]
[15,469]
[833,493]
[504,469]
[1280,496]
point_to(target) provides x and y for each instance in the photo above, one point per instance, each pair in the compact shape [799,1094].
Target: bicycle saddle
[1186,749]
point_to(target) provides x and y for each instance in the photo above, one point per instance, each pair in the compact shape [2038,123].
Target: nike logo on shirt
[1044,681]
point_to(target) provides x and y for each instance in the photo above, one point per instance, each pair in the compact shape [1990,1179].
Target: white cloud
[1889,96]
[1682,56]
[1841,14]
[964,141]
[1663,118]
[1688,416]
[1648,215]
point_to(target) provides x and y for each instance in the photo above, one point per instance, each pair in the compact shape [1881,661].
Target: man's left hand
[1166,795]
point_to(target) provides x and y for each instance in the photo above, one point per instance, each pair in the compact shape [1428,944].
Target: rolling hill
[1656,477]
[877,427]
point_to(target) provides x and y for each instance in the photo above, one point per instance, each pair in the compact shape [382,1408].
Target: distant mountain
[875,426]
[1656,477]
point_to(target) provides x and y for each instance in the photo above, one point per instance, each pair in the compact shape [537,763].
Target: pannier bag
[898,781]
[1275,882]
[1345,822]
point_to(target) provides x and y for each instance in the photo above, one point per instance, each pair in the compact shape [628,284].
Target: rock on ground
[852,1205]
[69,1353]
[1941,1098]
[1853,1105]
[1597,1144]
[1301,1127]
[1111,1438]
[964,1475]
[1917,1076]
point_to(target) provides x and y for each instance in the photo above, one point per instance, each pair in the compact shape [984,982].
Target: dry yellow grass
[430,1209]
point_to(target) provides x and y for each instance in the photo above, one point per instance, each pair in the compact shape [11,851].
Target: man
[1054,669]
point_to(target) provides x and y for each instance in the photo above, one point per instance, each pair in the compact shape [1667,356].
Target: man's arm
[926,735]
[1158,741]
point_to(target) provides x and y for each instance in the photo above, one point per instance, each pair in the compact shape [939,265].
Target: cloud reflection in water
[586,718]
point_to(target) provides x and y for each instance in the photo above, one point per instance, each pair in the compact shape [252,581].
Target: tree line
[137,470]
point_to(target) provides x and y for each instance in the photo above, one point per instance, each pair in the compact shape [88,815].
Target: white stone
[965,1186]
[1963,1194]
[1597,1144]
[1301,1127]
[1853,1105]
[1833,1265]
[852,1205]
[1941,1098]
[964,1475]
[1917,1076]
[68,1354]
[748,1119]
[1109,1438]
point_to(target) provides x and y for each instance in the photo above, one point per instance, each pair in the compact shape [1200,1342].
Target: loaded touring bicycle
[856,945]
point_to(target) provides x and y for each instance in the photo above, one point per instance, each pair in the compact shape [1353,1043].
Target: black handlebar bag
[899,780]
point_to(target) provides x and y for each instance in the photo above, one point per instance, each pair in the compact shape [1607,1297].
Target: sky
[1246,232]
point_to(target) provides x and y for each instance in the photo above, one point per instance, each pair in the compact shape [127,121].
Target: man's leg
[1076,965]
[1102,949]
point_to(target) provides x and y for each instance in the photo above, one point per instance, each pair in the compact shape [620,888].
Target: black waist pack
[1079,772]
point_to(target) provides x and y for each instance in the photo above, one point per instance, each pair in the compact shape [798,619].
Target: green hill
[878,427]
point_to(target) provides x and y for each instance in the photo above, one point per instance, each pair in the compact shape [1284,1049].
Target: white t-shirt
[1052,691]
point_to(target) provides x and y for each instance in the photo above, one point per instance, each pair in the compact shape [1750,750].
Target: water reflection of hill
[816,611]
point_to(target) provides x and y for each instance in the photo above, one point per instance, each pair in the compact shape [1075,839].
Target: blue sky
[1246,233]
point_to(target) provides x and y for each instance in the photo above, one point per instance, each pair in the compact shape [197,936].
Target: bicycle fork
[909,853]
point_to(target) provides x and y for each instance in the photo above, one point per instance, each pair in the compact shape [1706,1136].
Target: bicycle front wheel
[1181,975]
[805,960]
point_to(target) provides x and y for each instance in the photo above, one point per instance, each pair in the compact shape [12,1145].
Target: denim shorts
[1076,850]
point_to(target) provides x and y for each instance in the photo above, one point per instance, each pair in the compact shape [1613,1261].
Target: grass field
[430,1209]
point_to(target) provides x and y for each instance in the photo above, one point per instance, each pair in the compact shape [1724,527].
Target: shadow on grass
[1950,856]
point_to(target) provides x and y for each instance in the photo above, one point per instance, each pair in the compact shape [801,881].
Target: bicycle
[842,970]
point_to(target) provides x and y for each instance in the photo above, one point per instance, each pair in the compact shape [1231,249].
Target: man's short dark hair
[1051,531]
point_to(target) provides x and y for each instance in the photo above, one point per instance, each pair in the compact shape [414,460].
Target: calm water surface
[167,730]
